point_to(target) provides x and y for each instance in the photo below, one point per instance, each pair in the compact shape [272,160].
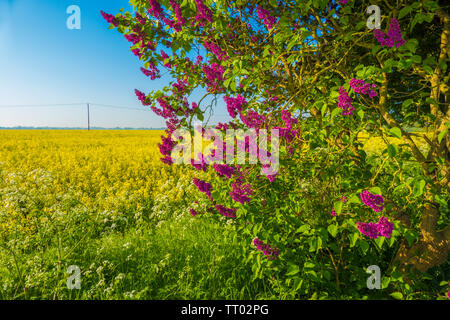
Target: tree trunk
[432,248]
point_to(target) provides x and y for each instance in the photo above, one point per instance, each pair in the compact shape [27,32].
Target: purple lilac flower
[177,9]
[142,97]
[193,212]
[269,251]
[394,36]
[203,186]
[109,18]
[153,73]
[359,86]
[227,212]
[333,212]
[234,105]
[155,9]
[164,56]
[224,170]
[214,75]
[368,229]
[199,166]
[384,227]
[214,48]
[374,230]
[253,119]
[345,102]
[204,15]
[139,18]
[264,15]
[166,148]
[373,201]
[241,193]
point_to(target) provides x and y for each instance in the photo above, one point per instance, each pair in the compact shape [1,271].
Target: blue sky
[43,62]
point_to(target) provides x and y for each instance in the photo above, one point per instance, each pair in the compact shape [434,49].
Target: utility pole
[89,120]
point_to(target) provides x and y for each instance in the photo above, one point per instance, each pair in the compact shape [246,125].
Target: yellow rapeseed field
[114,175]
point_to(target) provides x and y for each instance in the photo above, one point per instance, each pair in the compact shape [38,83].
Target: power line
[41,105]
[118,107]
[71,104]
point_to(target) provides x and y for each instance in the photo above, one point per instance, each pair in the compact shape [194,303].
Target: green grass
[188,258]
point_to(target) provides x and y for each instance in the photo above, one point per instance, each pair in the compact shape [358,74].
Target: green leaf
[419,185]
[298,284]
[379,242]
[335,112]
[392,150]
[407,102]
[396,132]
[353,238]
[273,3]
[324,109]
[441,135]
[292,270]
[397,295]
[354,199]
[338,207]
[411,236]
[364,245]
[303,228]
[375,190]
[404,12]
[332,229]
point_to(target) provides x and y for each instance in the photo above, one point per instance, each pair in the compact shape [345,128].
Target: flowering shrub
[290,66]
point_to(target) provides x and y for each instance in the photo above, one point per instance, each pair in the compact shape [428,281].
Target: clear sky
[43,62]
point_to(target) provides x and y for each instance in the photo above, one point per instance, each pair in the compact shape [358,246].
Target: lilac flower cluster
[265,16]
[241,192]
[226,212]
[140,18]
[155,9]
[214,75]
[193,212]
[253,119]
[269,172]
[153,73]
[204,15]
[199,166]
[359,86]
[345,102]
[177,9]
[166,110]
[269,251]
[393,37]
[110,18]
[234,105]
[288,132]
[225,126]
[214,48]
[166,147]
[224,170]
[372,200]
[142,97]
[203,186]
[164,56]
[374,230]
[179,87]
